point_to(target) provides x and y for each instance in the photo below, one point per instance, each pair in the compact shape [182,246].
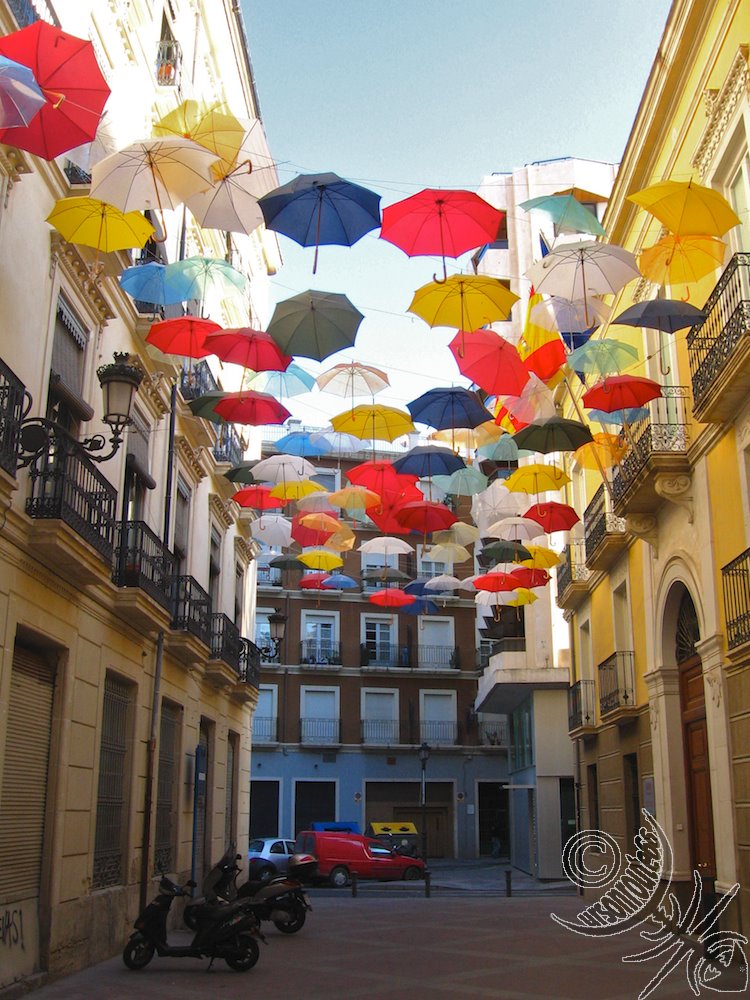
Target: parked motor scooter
[223,930]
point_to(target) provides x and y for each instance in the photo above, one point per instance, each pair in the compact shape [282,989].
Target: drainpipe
[170,464]
[150,769]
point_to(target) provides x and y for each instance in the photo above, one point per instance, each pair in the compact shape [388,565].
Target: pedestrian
[495,837]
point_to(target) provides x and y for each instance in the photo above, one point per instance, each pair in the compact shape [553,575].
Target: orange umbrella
[678,260]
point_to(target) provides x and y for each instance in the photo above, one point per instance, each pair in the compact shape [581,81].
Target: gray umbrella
[315,324]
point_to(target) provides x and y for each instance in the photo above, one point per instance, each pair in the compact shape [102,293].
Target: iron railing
[12,392]
[663,431]
[572,566]
[491,647]
[196,380]
[142,560]
[320,732]
[439,657]
[226,641]
[249,663]
[269,576]
[68,486]
[26,12]
[384,732]
[168,63]
[76,174]
[735,578]
[616,682]
[581,705]
[727,321]
[599,522]
[265,728]
[228,448]
[320,652]
[493,734]
[192,608]
[382,654]
[434,732]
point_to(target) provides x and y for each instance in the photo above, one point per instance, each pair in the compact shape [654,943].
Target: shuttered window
[23,796]
[166,788]
[112,803]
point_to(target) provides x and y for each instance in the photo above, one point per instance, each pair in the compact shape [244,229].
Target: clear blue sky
[405,94]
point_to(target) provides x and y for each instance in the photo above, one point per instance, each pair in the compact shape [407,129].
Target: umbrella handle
[441,281]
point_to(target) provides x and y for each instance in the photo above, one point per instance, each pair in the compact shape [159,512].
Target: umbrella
[353,379]
[203,275]
[313,581]
[382,478]
[678,260]
[505,551]
[603,357]
[489,361]
[536,478]
[428,460]
[296,489]
[339,581]
[93,223]
[567,212]
[553,516]
[286,561]
[503,450]
[20,97]
[385,545]
[446,552]
[242,473]
[381,423]
[685,207]
[319,521]
[448,407]
[315,324]
[337,442]
[494,503]
[257,497]
[576,269]
[466,302]
[421,606]
[621,391]
[496,582]
[515,529]
[341,540]
[521,596]
[667,315]
[469,437]
[321,559]
[272,529]
[293,382]
[252,349]
[151,282]
[250,407]
[353,498]
[184,335]
[440,222]
[442,582]
[321,209]
[317,533]
[384,574]
[207,124]
[540,557]
[464,482]
[529,577]
[536,402]
[425,516]
[68,75]
[391,598]
[299,443]
[604,451]
[617,418]
[554,434]
[203,406]
[569,315]
[315,503]
[459,533]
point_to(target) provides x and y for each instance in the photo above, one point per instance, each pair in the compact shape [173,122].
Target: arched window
[688,630]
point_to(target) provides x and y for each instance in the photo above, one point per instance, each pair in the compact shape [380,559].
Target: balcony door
[320,715]
[378,638]
[436,642]
[319,638]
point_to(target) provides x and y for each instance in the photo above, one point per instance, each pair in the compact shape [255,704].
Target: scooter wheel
[246,955]
[138,953]
[190,916]
[295,924]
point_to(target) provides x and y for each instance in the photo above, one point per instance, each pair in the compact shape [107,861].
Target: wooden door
[697,767]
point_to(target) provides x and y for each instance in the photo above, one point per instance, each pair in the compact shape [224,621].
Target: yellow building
[126,683]
[656,586]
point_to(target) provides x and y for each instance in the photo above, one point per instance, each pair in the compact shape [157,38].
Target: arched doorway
[695,739]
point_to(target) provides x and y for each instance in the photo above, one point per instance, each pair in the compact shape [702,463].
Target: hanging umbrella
[521,596]
[321,560]
[252,349]
[204,275]
[287,561]
[459,533]
[667,315]
[515,529]
[338,443]
[466,302]
[319,521]
[536,478]
[551,435]
[295,381]
[464,482]
[489,361]
[505,551]
[621,391]
[446,552]
[503,450]
[381,423]
[315,503]
[313,581]
[428,460]
[495,582]
[342,540]
[540,557]
[354,498]
[440,222]
[184,335]
[567,212]
[678,260]
[391,598]
[536,402]
[207,124]
[384,575]
[203,406]
[569,316]
[257,497]
[421,606]
[282,468]
[448,407]
[618,418]
[425,516]
[553,516]
[296,489]
[321,210]
[529,577]
[242,473]
[250,407]
[577,269]
[315,324]
[353,379]
[272,529]
[299,443]
[443,582]
[67,73]
[469,437]
[150,282]
[339,581]
[603,452]
[494,503]
[310,535]
[685,207]
[603,357]
[20,96]
[385,545]
[93,223]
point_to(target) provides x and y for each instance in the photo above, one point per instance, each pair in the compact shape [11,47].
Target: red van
[340,854]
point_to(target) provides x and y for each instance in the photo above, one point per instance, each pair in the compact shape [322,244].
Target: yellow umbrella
[459,533]
[377,422]
[342,540]
[523,596]
[322,560]
[295,490]
[354,498]
[687,208]
[603,452]
[470,437]
[447,552]
[94,223]
[541,557]
[536,478]
[319,521]
[676,260]
[466,302]
[208,125]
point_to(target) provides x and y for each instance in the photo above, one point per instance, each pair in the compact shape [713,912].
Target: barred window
[112,802]
[165,859]
[230,826]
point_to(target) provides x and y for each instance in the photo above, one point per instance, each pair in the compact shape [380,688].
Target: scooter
[223,930]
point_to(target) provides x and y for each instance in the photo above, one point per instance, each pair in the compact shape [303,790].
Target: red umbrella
[392,598]
[553,516]
[314,581]
[249,407]
[68,74]
[489,361]
[619,392]
[257,497]
[253,349]
[383,479]
[496,583]
[529,578]
[546,360]
[184,335]
[310,536]
[440,222]
[384,518]
[425,516]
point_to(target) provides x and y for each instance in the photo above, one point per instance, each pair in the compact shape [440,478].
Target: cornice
[190,458]
[720,108]
[220,509]
[14,165]
[78,272]
[243,549]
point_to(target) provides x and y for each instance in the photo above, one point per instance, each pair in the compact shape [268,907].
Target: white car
[268,856]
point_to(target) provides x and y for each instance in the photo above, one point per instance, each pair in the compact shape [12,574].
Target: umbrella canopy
[339,581]
[569,315]
[287,561]
[203,406]
[353,498]
[299,443]
[459,533]
[313,581]
[250,407]
[315,324]
[540,557]
[321,559]
[667,315]
[515,529]
[521,596]
[425,516]
[272,529]
[384,574]
[554,434]
[295,381]
[464,482]
[446,552]
[21,99]
[151,282]
[252,349]
[536,478]
[385,545]
[618,418]
[257,497]
[392,598]
[565,210]
[536,402]
[505,551]
[338,443]
[321,209]
[504,449]
[317,533]
[685,207]
[577,269]
[553,516]
[428,460]
[448,407]
[496,582]
[529,577]
[421,606]
[184,335]
[442,582]
[678,260]
[466,302]
[296,489]
[621,391]
[320,521]
[602,357]
[489,361]
[242,473]
[353,379]
[282,468]
[604,451]
[207,124]
[381,423]
[67,73]
[204,275]
[93,223]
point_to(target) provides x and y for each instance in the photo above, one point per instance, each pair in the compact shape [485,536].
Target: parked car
[341,854]
[267,856]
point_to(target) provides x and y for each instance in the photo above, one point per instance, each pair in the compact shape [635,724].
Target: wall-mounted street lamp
[277,629]
[424,755]
[119,381]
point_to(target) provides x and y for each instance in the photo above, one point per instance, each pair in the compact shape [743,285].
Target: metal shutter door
[23,799]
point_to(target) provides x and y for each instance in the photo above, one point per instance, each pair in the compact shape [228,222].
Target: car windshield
[256,845]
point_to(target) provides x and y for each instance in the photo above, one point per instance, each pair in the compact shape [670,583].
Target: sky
[399,95]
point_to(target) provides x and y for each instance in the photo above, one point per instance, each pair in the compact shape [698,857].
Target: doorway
[492,802]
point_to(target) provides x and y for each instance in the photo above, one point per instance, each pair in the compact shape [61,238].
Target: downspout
[150,770]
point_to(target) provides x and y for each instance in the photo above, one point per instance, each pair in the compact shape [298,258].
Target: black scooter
[223,930]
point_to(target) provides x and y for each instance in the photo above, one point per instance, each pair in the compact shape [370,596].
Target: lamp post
[277,629]
[424,754]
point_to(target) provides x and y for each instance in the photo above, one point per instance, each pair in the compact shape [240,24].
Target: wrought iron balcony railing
[226,641]
[581,706]
[320,732]
[192,608]
[572,567]
[319,652]
[228,448]
[434,732]
[269,576]
[599,522]
[735,578]
[196,380]
[384,732]
[168,63]
[26,12]
[265,728]
[439,657]
[75,174]
[11,413]
[142,560]
[493,734]
[381,654]
[249,663]
[616,682]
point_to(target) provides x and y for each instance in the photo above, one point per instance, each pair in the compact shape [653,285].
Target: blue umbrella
[416,587]
[448,408]
[321,209]
[428,460]
[151,282]
[667,315]
[299,443]
[618,417]
[293,382]
[422,606]
[21,98]
[339,581]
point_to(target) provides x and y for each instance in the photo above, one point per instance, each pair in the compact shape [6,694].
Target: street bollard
[427,883]
[355,881]
[508,891]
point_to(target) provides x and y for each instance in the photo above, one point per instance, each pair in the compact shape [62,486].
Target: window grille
[111,805]
[166,789]
[229,829]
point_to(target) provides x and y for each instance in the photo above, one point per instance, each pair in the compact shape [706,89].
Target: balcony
[265,729]
[380,732]
[168,63]
[581,709]
[223,666]
[196,380]
[617,688]
[228,448]
[319,653]
[191,623]
[26,12]
[605,536]
[12,392]
[735,578]
[655,467]
[144,568]
[269,576]
[437,733]
[77,176]
[246,686]
[493,647]
[320,732]
[719,346]
[383,656]
[572,576]
[439,657]
[493,734]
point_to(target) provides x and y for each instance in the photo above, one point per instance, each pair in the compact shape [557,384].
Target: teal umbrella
[293,382]
[504,449]
[203,275]
[315,324]
[566,212]
[463,482]
[603,357]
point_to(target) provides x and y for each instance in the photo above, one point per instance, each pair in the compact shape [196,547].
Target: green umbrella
[315,324]
[504,449]
[463,482]
[602,357]
[384,574]
[567,212]
[286,562]
[553,434]
[241,473]
[504,551]
[202,275]
[204,405]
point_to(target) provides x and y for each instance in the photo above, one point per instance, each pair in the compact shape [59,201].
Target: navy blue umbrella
[448,408]
[667,315]
[321,209]
[422,606]
[428,460]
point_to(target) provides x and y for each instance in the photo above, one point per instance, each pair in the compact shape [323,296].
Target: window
[620,607]
[264,719]
[138,478]
[379,638]
[585,657]
[263,635]
[66,403]
[166,788]
[239,594]
[112,799]
[380,715]
[520,721]
[562,229]
[319,715]
[436,642]
[438,716]
[214,569]
[427,568]
[181,526]
[739,198]
[319,637]
[377,561]
[329,479]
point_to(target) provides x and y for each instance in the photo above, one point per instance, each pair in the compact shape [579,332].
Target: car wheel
[412,873]
[138,953]
[296,923]
[339,877]
[265,875]
[246,955]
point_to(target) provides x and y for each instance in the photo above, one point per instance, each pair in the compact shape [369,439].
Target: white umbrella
[494,503]
[385,544]
[316,503]
[282,469]
[468,583]
[576,270]
[515,529]
[273,529]
[353,379]
[536,402]
[447,552]
[442,582]
[339,442]
[569,315]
